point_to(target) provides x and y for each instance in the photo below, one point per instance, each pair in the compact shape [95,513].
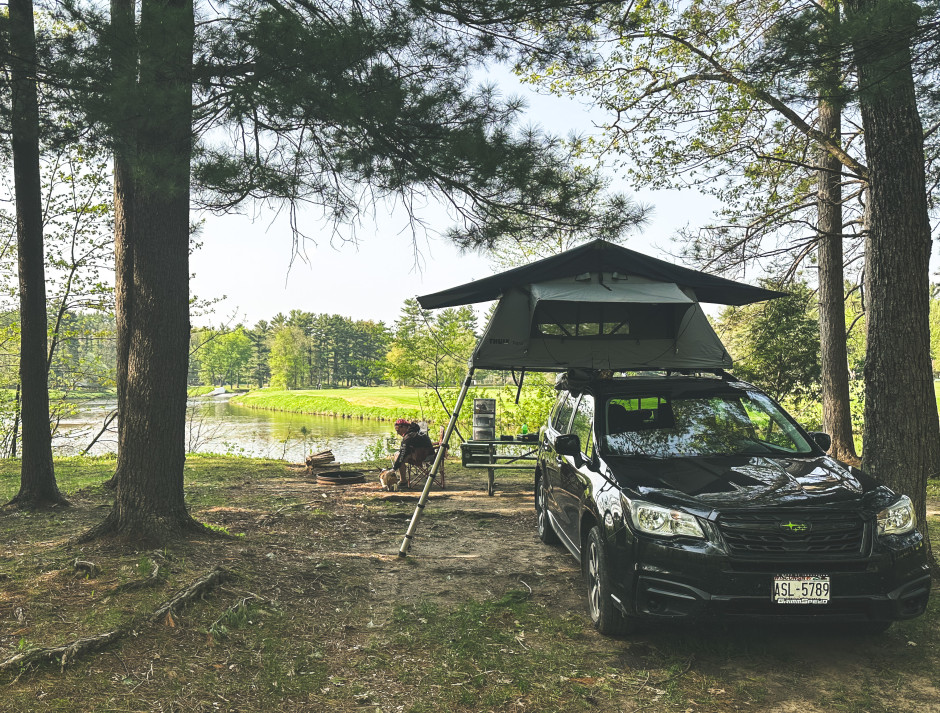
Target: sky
[248,259]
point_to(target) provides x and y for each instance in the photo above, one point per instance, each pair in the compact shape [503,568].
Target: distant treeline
[304,350]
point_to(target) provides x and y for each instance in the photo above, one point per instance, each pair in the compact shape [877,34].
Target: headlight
[897,519]
[665,522]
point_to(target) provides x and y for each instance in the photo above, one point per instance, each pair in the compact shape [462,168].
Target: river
[214,425]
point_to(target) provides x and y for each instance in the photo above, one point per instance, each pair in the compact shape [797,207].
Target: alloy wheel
[594,584]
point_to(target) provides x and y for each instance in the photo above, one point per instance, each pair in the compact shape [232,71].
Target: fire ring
[341,477]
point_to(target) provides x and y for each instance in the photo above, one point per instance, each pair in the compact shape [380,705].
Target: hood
[742,481]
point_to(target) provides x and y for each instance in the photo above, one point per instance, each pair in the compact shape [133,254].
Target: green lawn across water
[379,402]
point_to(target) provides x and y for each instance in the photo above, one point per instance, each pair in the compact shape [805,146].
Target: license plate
[801,589]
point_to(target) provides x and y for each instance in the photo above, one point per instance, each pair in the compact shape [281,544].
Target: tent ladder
[422,501]
[521,380]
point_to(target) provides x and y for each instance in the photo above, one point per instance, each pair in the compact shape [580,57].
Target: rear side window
[583,423]
[638,412]
[563,411]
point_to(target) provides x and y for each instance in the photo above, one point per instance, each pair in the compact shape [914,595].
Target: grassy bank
[322,615]
[194,391]
[81,395]
[384,403]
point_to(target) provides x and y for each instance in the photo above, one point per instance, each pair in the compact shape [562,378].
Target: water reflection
[217,426]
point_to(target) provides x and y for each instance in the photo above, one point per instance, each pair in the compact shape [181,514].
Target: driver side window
[563,414]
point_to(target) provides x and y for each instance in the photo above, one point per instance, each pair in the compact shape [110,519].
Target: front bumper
[671,580]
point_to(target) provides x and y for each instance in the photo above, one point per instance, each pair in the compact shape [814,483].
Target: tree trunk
[901,434]
[837,414]
[37,474]
[149,504]
[16,423]
[123,100]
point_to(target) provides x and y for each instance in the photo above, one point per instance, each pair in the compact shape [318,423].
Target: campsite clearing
[322,614]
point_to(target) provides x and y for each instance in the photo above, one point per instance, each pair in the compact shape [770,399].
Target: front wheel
[608,620]
[546,530]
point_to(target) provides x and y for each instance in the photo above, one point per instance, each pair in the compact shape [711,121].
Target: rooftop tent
[600,306]
[599,321]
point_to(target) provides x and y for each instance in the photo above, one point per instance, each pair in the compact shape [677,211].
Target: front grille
[789,535]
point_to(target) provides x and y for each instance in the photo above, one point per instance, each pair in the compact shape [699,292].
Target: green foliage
[775,344]
[693,100]
[286,358]
[293,352]
[77,211]
[225,357]
[343,104]
[935,327]
[431,349]
[536,400]
[379,452]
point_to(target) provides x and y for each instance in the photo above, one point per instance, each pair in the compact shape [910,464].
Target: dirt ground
[323,615]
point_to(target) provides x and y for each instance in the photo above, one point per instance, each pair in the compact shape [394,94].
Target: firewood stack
[318,460]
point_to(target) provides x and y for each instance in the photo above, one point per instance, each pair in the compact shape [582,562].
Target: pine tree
[37,480]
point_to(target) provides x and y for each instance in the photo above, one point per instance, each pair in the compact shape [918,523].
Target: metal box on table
[484,419]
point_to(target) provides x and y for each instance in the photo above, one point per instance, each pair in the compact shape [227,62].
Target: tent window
[570,329]
[606,320]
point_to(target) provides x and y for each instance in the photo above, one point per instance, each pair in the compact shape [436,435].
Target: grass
[208,480]
[378,402]
[194,391]
[323,616]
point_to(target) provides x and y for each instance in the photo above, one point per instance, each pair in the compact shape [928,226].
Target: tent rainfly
[597,306]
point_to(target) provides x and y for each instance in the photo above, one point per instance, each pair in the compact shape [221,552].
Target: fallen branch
[69,652]
[107,422]
[194,590]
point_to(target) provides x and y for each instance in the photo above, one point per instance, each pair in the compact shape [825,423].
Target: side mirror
[568,444]
[823,440]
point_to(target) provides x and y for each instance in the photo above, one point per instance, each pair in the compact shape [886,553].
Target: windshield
[658,426]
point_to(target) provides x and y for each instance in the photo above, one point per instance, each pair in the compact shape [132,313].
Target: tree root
[69,652]
[30,501]
[145,532]
[153,580]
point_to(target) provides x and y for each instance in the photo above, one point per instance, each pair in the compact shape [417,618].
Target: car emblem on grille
[796,527]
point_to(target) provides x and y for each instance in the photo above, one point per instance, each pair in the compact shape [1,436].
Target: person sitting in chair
[416,447]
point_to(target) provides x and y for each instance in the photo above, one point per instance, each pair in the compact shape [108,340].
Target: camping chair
[418,472]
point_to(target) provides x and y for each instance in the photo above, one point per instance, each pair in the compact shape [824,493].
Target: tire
[546,530]
[608,620]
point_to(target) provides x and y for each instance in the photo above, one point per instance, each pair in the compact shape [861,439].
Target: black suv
[690,495]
